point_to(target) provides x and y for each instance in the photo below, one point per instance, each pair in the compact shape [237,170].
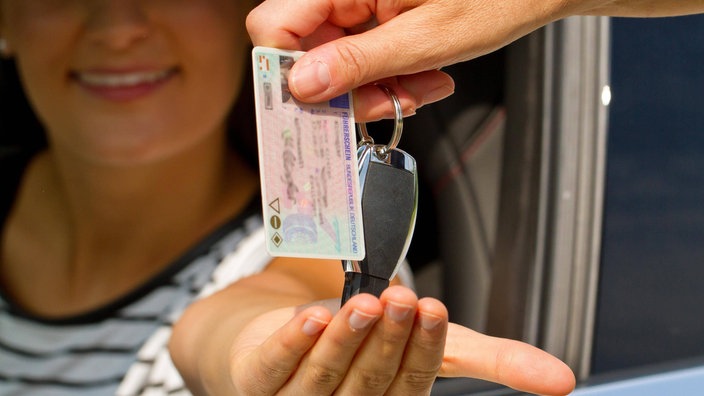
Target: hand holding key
[354,43]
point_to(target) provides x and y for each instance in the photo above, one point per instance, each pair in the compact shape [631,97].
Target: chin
[134,152]
[140,141]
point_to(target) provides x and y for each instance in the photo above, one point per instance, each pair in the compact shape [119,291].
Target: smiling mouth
[123,86]
[122,80]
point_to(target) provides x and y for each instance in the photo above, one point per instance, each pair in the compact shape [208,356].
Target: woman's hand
[396,344]
[261,336]
[393,345]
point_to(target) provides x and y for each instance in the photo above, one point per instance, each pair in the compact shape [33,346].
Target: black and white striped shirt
[121,349]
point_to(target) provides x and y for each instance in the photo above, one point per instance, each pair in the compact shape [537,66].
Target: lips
[115,80]
[123,85]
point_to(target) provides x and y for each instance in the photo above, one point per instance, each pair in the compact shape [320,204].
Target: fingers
[512,363]
[417,40]
[264,369]
[413,91]
[423,356]
[282,23]
[390,345]
[376,363]
[327,363]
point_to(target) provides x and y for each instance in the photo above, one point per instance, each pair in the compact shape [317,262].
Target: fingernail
[313,326]
[359,320]
[438,93]
[311,79]
[428,321]
[397,312]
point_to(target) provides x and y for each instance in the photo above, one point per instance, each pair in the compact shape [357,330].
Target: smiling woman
[135,185]
[177,67]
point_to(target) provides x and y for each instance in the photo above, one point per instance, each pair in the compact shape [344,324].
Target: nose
[117,24]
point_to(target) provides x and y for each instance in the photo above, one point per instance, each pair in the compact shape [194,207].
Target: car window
[652,267]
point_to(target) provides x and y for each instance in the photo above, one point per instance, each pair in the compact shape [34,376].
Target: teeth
[122,80]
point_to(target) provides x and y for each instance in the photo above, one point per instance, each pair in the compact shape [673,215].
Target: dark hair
[19,127]
[21,130]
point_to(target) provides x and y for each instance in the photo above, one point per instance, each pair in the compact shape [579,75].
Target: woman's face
[120,81]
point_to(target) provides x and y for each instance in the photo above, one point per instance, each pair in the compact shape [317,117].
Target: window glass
[651,292]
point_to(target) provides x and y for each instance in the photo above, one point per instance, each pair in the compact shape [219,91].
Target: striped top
[121,349]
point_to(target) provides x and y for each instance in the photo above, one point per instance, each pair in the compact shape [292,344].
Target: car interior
[511,174]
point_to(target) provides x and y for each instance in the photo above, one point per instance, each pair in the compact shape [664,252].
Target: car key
[389,190]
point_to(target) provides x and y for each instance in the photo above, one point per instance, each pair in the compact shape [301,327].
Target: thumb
[429,36]
[410,43]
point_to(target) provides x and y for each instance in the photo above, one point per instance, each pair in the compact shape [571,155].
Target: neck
[185,189]
[114,227]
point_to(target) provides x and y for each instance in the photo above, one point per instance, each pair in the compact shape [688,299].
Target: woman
[138,204]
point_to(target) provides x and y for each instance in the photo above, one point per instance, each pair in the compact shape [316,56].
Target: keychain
[389,190]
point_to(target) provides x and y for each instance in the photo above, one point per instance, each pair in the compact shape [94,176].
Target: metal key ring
[398,124]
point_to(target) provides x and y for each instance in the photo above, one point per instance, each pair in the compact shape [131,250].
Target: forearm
[646,8]
[203,336]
